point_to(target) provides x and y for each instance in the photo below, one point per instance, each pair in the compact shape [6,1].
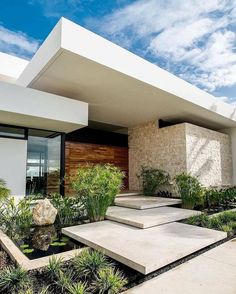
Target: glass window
[13,132]
[43,162]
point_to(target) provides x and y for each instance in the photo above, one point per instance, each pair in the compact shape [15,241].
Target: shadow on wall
[209,157]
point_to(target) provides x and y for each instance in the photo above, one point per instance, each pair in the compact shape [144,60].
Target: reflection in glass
[43,162]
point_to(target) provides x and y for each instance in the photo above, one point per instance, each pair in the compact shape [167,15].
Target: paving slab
[199,275]
[129,193]
[144,250]
[145,202]
[147,218]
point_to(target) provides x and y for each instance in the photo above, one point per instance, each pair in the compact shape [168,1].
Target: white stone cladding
[209,156]
[182,147]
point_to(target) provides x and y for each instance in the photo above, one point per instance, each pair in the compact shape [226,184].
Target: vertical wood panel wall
[81,153]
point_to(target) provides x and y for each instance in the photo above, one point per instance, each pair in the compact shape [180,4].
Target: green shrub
[201,220]
[228,195]
[69,209]
[64,279]
[4,191]
[54,266]
[109,281]
[190,190]
[152,179]
[213,197]
[13,279]
[44,290]
[96,187]
[15,217]
[225,221]
[77,288]
[89,262]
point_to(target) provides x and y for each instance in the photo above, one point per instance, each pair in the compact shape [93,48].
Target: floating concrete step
[211,272]
[145,202]
[147,218]
[129,193]
[144,250]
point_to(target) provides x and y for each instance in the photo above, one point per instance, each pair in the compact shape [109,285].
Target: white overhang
[11,67]
[120,87]
[22,106]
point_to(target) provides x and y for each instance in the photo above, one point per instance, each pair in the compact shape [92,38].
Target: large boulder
[44,213]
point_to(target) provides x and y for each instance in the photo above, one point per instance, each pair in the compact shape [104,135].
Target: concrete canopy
[25,107]
[120,87]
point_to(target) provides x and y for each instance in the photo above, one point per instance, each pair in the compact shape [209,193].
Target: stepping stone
[202,274]
[145,202]
[144,250]
[147,218]
[130,193]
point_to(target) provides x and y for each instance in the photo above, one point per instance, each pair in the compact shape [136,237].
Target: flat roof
[120,87]
[11,67]
[26,107]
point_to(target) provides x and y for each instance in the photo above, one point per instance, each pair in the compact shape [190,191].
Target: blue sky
[194,39]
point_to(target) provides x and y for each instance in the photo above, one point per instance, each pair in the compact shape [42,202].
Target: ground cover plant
[152,179]
[96,187]
[90,272]
[224,221]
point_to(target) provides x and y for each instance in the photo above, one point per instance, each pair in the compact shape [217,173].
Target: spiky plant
[89,262]
[13,278]
[54,266]
[109,281]
[77,288]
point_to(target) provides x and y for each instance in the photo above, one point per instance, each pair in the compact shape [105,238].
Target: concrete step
[145,202]
[147,218]
[211,272]
[129,193]
[144,250]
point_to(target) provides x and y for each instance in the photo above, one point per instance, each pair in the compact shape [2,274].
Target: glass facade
[43,162]
[45,158]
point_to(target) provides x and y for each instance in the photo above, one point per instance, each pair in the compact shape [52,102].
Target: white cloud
[17,43]
[193,38]
[58,8]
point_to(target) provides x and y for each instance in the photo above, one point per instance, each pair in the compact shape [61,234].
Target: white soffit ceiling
[120,87]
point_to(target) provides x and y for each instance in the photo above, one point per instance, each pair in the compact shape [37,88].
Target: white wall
[13,154]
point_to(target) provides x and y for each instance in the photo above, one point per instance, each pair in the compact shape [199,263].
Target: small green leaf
[28,250]
[58,244]
[64,239]
[23,246]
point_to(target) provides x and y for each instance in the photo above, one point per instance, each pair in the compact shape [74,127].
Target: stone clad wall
[209,156]
[161,148]
[182,147]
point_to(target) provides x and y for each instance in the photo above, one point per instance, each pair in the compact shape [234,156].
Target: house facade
[82,99]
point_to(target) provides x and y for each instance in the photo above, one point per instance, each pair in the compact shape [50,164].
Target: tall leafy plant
[15,216]
[69,209]
[96,187]
[4,191]
[152,179]
[190,190]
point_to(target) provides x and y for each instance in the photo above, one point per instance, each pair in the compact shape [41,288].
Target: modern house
[84,99]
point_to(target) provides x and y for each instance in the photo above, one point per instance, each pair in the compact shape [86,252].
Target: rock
[44,213]
[43,237]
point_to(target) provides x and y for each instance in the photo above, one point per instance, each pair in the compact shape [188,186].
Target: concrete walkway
[147,218]
[144,250]
[145,202]
[211,272]
[144,234]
